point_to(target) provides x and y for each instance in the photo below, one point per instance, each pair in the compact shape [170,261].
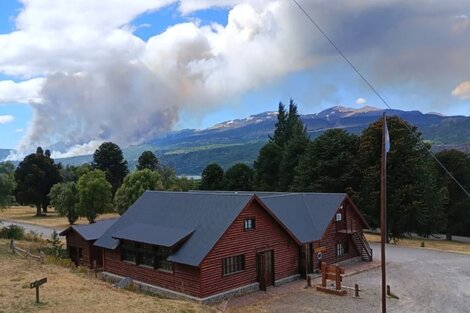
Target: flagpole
[383,221]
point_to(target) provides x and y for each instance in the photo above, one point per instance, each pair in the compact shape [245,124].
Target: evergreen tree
[108,158]
[148,160]
[327,164]
[279,136]
[134,185]
[296,141]
[212,177]
[239,177]
[414,200]
[457,208]
[266,167]
[35,176]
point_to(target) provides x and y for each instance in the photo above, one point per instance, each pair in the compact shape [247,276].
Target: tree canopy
[327,164]
[212,178]
[95,195]
[134,185]
[147,160]
[35,176]
[414,200]
[108,158]
[239,177]
[64,197]
[7,184]
[457,208]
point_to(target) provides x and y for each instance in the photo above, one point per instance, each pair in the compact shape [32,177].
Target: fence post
[12,246]
[356,290]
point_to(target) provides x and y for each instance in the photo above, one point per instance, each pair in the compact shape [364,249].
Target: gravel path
[424,280]
[45,231]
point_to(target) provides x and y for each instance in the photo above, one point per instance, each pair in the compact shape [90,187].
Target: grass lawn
[69,290]
[442,245]
[26,214]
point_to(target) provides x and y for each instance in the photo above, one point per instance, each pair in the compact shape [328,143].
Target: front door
[265,269]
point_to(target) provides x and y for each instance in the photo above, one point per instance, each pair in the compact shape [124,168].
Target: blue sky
[83,68]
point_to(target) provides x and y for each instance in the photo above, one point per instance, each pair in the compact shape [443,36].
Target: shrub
[12,232]
[33,236]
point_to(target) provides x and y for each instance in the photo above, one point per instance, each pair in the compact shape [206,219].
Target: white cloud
[360,101]
[28,91]
[6,119]
[462,90]
[19,130]
[90,79]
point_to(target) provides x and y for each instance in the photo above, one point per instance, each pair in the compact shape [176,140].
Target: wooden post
[388,290]
[309,281]
[12,245]
[383,220]
[338,278]
[356,290]
[36,285]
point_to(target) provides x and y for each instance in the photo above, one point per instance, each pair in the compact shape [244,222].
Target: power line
[379,96]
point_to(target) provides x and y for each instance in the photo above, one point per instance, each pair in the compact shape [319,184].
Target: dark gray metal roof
[91,231]
[152,234]
[208,214]
[306,215]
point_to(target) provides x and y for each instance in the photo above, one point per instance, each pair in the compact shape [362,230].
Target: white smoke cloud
[89,79]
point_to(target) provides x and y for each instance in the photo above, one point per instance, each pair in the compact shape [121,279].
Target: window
[233,264]
[249,223]
[128,253]
[342,248]
[338,217]
[147,255]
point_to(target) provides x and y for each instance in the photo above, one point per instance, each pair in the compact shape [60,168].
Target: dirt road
[424,280]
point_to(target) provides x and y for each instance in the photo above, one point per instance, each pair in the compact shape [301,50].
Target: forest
[421,197]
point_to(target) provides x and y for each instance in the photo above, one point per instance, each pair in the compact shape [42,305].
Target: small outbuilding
[80,240]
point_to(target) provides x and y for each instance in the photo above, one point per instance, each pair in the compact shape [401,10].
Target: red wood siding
[184,278]
[331,237]
[268,235]
[77,241]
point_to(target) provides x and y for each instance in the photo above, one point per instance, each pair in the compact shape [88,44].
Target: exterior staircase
[362,246]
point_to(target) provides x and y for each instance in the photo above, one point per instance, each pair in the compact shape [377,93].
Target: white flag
[387,137]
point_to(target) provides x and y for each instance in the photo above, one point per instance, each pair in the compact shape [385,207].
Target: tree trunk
[449,236]
[44,206]
[38,209]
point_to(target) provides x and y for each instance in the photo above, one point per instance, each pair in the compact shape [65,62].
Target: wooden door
[73,255]
[265,269]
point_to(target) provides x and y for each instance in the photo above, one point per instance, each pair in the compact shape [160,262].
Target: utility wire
[379,96]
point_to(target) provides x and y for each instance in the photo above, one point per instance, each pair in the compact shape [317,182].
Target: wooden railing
[365,244]
[25,253]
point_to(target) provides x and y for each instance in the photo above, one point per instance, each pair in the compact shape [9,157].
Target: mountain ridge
[239,140]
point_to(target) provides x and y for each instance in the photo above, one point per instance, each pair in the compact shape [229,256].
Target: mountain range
[239,140]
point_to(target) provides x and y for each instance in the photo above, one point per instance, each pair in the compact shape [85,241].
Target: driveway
[45,231]
[424,280]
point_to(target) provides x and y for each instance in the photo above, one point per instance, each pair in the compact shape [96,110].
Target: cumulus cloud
[462,90]
[360,101]
[6,119]
[89,79]
[23,92]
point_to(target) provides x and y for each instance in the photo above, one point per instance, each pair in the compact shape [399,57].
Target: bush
[33,236]
[12,232]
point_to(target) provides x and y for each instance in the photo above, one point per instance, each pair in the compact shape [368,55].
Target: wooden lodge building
[211,245]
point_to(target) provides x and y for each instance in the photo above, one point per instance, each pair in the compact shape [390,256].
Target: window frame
[249,223]
[233,265]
